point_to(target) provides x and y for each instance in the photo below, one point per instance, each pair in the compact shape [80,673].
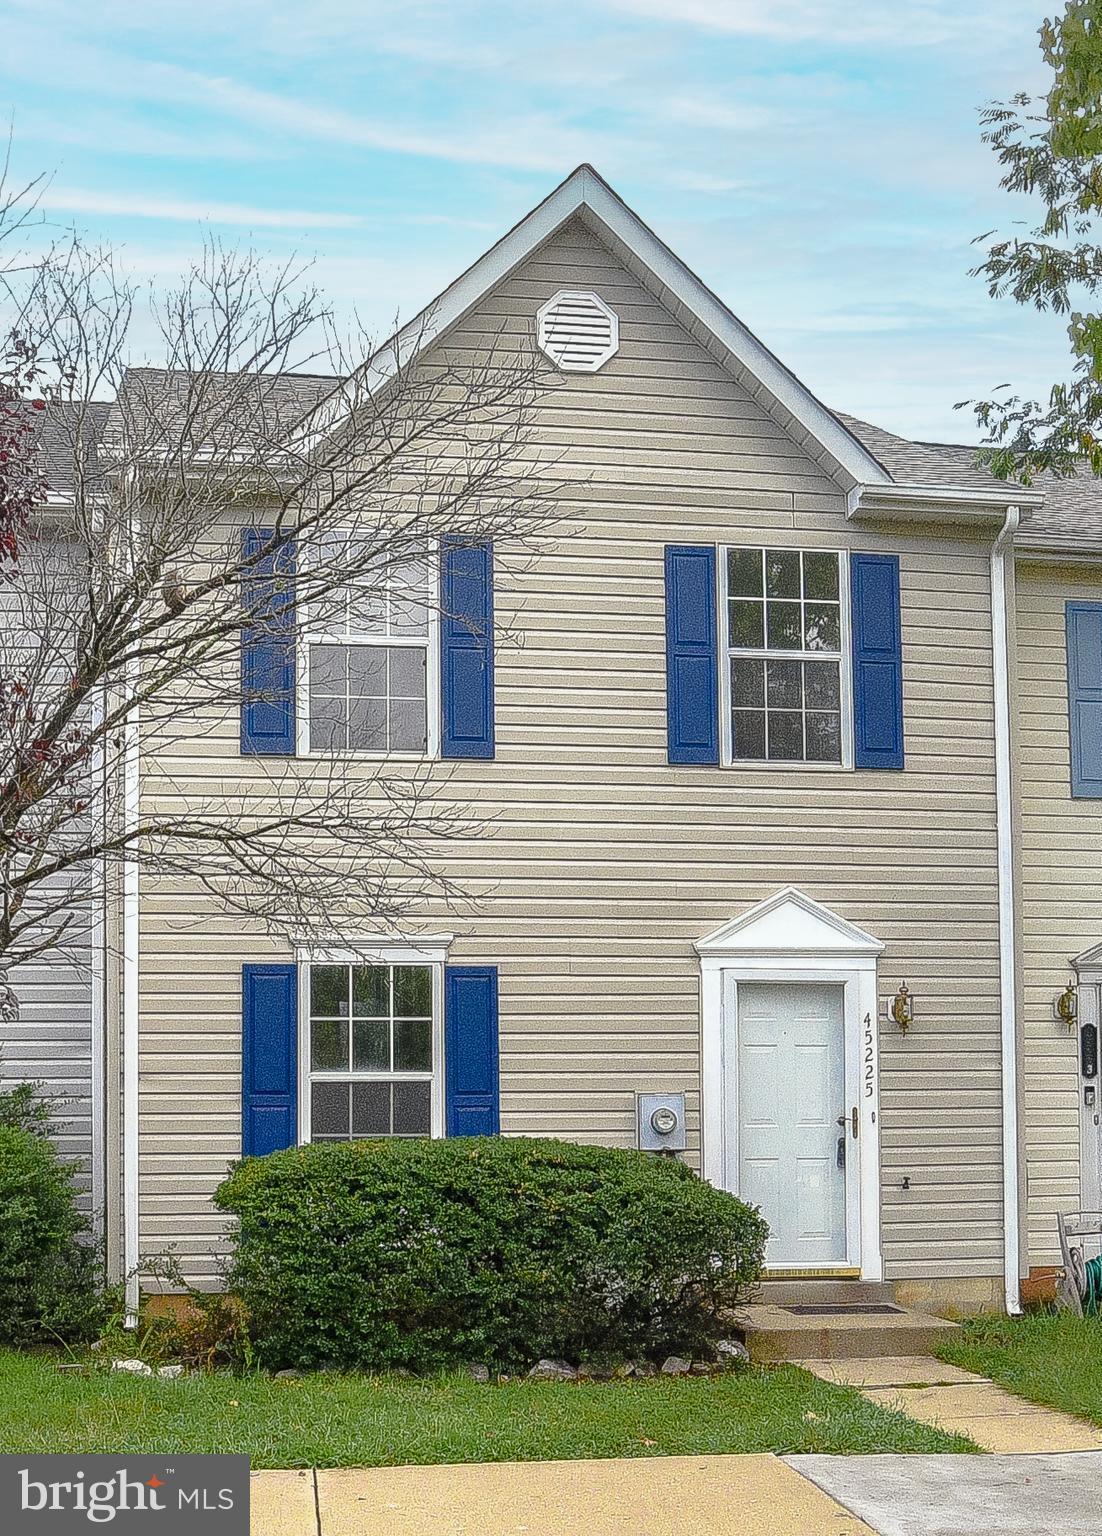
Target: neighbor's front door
[792,1130]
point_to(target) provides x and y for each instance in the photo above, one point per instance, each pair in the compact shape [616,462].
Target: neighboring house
[55,1035]
[779,729]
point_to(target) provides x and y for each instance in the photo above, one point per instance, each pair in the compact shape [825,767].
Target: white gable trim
[788,923]
[584,190]
[1088,965]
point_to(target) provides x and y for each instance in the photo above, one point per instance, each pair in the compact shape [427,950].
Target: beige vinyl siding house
[602,865]
[1061,907]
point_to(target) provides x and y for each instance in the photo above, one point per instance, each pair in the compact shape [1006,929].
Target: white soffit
[789,923]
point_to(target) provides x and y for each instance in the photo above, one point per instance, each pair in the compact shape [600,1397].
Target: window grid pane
[370,1051]
[784,623]
[365,694]
[368,698]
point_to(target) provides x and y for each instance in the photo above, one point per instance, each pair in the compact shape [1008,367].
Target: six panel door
[791,1099]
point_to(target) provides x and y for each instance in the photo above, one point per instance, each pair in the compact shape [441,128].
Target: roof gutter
[937,503]
[1002,560]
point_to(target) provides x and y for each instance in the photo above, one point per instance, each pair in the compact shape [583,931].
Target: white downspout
[130,889]
[1004,814]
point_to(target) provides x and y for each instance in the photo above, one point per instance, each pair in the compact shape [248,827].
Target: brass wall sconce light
[901,1009]
[1066,1006]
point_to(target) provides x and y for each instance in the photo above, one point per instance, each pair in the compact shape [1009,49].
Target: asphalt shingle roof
[69,433]
[1071,512]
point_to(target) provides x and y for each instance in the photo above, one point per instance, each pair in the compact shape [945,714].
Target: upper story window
[368,663]
[372,1051]
[786,679]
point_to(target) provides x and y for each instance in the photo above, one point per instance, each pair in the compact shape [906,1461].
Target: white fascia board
[938,503]
[585,190]
[1045,551]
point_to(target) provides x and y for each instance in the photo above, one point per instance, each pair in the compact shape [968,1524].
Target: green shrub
[50,1277]
[427,1253]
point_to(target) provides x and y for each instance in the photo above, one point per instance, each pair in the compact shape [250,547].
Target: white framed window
[371,1045]
[786,682]
[368,670]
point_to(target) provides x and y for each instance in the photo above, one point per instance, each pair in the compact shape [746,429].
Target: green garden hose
[1092,1290]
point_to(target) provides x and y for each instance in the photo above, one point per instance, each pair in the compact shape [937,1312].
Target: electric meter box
[660,1118]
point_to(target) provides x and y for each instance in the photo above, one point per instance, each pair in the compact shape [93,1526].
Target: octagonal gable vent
[578,331]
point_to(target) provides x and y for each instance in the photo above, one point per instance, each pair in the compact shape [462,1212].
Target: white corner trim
[131,1043]
[837,952]
[585,189]
[1001,550]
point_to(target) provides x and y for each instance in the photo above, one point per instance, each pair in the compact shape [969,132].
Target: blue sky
[816,161]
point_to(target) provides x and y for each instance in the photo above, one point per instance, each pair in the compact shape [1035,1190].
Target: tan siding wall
[1061,886]
[600,864]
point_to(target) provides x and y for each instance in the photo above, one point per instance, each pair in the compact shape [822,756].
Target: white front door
[792,1127]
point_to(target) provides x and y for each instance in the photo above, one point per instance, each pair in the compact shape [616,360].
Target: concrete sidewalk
[694,1496]
[648,1496]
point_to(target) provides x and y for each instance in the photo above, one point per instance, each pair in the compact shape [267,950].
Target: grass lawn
[1051,1359]
[333,1420]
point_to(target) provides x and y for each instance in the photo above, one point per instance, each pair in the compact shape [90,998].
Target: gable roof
[587,196]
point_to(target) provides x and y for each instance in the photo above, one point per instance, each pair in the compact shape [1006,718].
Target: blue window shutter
[268,651]
[467,648]
[471,1094]
[877,661]
[692,665]
[1084,625]
[269,1058]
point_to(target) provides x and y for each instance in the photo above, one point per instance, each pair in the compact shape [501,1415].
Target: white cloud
[538,142]
[136,205]
[919,23]
[701,112]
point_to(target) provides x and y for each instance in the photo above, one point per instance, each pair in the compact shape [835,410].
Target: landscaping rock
[701,1368]
[644,1368]
[170,1372]
[135,1367]
[478,1372]
[590,1372]
[673,1365]
[289,1374]
[732,1354]
[624,1369]
[552,1370]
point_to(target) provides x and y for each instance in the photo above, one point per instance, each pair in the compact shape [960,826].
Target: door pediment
[789,923]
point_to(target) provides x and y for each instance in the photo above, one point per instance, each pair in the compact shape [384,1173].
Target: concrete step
[784,1293]
[774,1333]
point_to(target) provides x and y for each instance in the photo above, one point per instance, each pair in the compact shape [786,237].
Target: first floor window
[783,623]
[371,1051]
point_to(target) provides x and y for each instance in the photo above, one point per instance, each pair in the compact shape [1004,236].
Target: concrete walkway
[958,1401]
[648,1496]
[693,1496]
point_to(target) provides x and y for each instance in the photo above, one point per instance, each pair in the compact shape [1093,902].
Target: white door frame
[1088,971]
[791,939]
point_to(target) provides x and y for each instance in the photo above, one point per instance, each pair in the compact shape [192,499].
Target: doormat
[855,1309]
